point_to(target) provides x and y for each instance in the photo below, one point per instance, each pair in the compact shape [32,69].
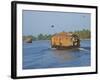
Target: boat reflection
[66,55]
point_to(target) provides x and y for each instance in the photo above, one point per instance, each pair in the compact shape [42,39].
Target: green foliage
[41,37]
[83,34]
[38,37]
[44,37]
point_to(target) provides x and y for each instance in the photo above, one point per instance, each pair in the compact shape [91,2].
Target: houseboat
[65,40]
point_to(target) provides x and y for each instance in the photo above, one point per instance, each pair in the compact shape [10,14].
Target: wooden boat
[65,40]
[28,40]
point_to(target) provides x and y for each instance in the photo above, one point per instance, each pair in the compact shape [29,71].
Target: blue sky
[36,22]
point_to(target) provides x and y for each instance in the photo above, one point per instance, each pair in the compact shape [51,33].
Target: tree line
[83,34]
[39,37]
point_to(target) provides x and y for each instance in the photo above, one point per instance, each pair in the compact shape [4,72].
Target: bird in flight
[52,26]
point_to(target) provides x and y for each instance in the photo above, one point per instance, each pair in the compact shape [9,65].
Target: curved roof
[63,34]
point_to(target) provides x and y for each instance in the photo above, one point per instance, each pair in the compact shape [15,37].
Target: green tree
[40,37]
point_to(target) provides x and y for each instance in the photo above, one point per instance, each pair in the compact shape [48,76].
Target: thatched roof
[63,34]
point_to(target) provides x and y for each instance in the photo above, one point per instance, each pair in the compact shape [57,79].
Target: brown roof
[63,34]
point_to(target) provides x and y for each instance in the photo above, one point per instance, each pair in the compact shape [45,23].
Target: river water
[39,54]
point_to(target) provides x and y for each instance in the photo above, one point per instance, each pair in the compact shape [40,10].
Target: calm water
[39,54]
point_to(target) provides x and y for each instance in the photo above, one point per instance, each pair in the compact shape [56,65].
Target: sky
[36,22]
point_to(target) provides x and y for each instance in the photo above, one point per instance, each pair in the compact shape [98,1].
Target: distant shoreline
[49,40]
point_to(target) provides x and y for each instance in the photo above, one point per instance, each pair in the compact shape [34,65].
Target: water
[39,54]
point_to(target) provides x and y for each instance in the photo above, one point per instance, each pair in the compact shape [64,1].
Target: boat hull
[65,47]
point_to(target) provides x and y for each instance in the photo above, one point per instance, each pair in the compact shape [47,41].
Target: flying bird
[52,26]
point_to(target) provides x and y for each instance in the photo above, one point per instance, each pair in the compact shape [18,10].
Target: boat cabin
[65,40]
